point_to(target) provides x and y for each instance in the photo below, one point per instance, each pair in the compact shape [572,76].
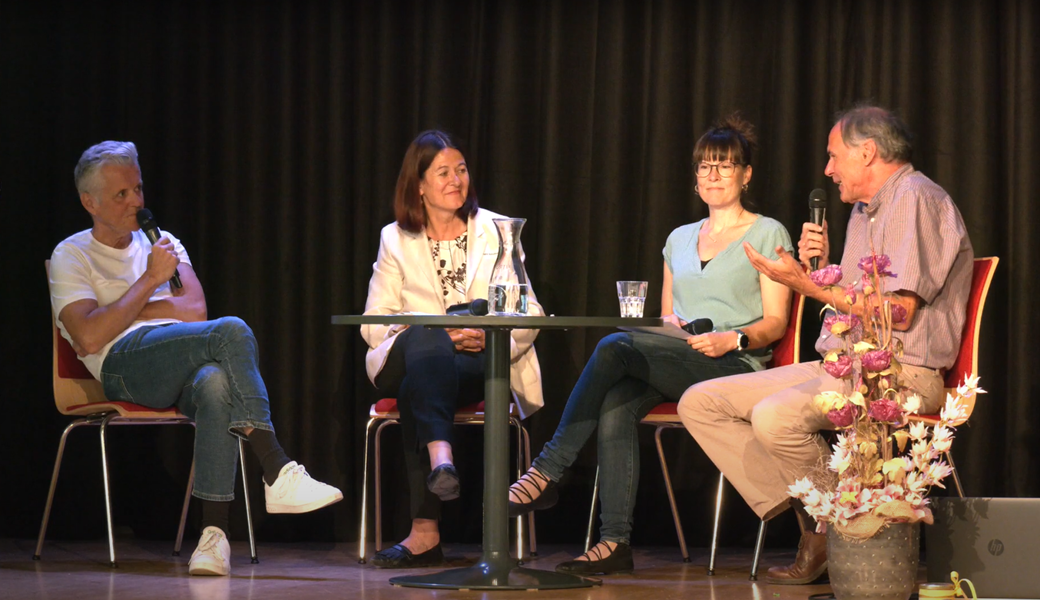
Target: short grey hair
[99,155]
[890,134]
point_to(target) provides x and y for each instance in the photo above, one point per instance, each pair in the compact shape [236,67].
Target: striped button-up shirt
[913,221]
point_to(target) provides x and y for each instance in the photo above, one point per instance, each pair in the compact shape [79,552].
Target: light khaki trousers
[762,431]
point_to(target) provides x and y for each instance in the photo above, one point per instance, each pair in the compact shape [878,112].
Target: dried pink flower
[829,275]
[880,262]
[876,360]
[885,410]
[844,325]
[844,417]
[850,294]
[867,283]
[839,368]
[897,310]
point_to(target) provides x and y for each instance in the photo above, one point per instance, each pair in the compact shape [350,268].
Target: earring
[696,190]
[744,188]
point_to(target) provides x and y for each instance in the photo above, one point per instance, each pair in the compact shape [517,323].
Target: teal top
[727,290]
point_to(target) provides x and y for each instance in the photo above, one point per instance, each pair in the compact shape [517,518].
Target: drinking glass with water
[631,296]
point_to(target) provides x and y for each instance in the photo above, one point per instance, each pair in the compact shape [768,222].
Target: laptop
[994,542]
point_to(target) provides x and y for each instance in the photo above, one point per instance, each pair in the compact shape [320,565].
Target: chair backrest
[967,362]
[788,349]
[73,383]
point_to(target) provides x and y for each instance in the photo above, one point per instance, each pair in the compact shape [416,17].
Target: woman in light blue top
[706,275]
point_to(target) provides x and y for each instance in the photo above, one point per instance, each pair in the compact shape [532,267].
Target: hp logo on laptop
[996,547]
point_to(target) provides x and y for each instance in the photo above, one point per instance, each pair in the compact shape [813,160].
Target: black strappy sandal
[618,561]
[547,498]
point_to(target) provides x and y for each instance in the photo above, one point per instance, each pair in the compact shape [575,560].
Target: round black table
[496,570]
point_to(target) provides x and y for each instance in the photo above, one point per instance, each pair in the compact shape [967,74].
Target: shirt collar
[887,189]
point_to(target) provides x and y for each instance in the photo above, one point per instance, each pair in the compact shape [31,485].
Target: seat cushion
[386,408]
[665,412]
[927,419]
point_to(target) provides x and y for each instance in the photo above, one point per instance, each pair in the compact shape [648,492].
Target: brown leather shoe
[809,565]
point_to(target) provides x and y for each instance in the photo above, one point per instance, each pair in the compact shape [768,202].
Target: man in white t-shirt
[149,343]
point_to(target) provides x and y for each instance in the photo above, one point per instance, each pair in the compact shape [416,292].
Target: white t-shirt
[83,268]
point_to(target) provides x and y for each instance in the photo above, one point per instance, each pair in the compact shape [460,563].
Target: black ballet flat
[444,482]
[618,561]
[546,499]
[399,557]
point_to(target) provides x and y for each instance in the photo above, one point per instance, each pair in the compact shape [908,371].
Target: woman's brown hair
[408,207]
[732,137]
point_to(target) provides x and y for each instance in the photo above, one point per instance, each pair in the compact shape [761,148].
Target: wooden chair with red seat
[77,393]
[967,362]
[666,416]
[383,413]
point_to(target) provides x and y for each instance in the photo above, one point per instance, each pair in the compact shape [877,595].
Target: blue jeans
[627,375]
[430,379]
[209,371]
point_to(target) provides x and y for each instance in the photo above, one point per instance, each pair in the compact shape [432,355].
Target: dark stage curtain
[271,134]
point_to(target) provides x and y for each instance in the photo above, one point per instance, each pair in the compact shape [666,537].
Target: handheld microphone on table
[699,326]
[817,215]
[147,223]
[476,308]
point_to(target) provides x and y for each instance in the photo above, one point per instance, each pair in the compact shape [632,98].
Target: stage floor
[148,571]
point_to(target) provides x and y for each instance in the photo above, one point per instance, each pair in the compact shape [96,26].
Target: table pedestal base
[483,576]
[496,570]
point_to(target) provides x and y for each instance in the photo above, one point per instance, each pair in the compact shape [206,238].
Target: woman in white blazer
[439,252]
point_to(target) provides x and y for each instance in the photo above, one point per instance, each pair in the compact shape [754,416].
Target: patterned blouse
[449,258]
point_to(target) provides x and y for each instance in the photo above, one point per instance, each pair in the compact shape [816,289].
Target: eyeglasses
[724,169]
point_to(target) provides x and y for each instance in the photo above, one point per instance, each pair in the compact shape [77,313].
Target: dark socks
[267,449]
[215,514]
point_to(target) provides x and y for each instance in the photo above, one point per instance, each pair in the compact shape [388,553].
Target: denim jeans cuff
[213,497]
[544,466]
[237,426]
[616,540]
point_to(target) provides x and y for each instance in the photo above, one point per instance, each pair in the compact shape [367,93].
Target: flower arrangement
[874,487]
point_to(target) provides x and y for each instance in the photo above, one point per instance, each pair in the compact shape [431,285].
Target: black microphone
[817,214]
[699,326]
[477,308]
[147,223]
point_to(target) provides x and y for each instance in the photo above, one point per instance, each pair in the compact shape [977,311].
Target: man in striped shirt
[761,429]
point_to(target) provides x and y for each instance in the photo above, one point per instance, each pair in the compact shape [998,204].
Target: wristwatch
[742,340]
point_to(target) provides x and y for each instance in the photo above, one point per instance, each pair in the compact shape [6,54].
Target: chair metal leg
[245,494]
[184,510]
[956,477]
[715,528]
[108,496]
[54,483]
[519,473]
[671,494]
[379,485]
[362,559]
[758,550]
[527,467]
[592,511]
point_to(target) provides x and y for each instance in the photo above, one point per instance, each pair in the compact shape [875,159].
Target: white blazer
[404,280]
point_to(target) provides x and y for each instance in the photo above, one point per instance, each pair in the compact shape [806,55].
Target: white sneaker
[213,556]
[296,492]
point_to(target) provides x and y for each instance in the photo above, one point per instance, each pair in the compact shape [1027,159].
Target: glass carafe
[507,291]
